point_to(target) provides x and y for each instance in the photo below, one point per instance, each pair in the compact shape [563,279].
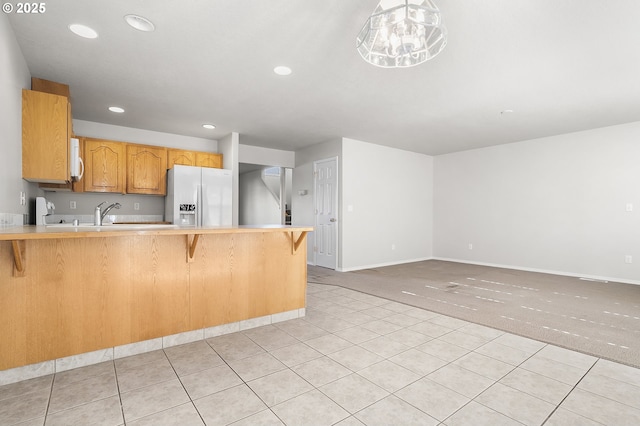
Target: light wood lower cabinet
[105,165]
[146,170]
[84,294]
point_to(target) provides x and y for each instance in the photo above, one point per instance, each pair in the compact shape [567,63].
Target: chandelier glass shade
[402,33]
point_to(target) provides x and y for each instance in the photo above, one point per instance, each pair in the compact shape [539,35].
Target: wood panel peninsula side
[66,292]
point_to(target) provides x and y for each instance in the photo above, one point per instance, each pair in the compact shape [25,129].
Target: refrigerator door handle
[199,203]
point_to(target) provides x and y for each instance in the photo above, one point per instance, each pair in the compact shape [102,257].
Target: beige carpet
[596,318]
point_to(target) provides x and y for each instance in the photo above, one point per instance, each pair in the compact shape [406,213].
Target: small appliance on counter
[199,196]
[44,208]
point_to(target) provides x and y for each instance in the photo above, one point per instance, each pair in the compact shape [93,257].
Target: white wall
[86,203]
[141,136]
[14,76]
[390,192]
[555,204]
[229,147]
[257,204]
[288,184]
[266,156]
[387,205]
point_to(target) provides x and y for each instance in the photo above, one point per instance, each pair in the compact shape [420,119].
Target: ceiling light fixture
[83,31]
[402,33]
[140,23]
[209,126]
[282,70]
[116,109]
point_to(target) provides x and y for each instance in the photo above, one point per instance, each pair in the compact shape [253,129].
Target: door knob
[333,219]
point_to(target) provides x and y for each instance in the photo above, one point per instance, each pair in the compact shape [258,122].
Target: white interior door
[326,211]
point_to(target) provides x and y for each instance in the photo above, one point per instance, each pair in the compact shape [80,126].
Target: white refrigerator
[199,196]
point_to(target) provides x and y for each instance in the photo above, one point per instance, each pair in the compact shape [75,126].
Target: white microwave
[76,165]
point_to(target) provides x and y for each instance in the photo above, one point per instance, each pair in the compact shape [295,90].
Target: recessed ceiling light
[116,109]
[282,70]
[83,31]
[140,23]
[209,126]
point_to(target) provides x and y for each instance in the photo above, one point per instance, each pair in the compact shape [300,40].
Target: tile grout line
[451,362]
[569,393]
[182,384]
[243,381]
[387,359]
[505,375]
[115,372]
[287,368]
[46,411]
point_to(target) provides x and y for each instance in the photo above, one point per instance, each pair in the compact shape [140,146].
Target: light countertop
[120,230]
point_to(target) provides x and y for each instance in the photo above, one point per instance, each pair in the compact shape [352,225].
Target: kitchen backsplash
[110,218]
[8,220]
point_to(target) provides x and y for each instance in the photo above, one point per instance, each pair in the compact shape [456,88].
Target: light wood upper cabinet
[146,170]
[180,157]
[45,137]
[208,159]
[104,163]
[76,185]
[193,158]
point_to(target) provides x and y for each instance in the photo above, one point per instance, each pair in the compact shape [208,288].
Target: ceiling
[560,65]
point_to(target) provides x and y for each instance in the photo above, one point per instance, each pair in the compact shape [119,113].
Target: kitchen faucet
[99,214]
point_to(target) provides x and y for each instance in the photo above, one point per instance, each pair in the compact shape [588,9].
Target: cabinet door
[77,185]
[104,163]
[146,170]
[180,156]
[45,137]
[207,159]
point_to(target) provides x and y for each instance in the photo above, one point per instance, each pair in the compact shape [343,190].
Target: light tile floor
[354,359]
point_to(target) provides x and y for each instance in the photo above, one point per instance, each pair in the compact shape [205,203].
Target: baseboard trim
[543,271]
[379,265]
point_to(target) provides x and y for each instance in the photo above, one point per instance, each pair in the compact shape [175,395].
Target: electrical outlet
[628,259]
[72,205]
[136,206]
[23,198]
[470,246]
[393,246]
[629,207]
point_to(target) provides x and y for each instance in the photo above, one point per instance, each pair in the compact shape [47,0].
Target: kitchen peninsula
[69,291]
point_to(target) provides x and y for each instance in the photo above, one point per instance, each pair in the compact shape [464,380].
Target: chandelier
[402,33]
